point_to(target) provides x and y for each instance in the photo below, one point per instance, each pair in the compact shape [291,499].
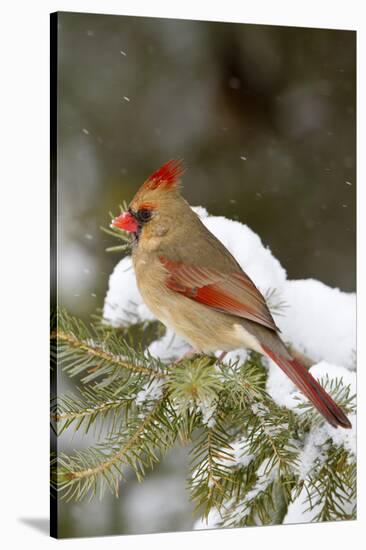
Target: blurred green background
[265,120]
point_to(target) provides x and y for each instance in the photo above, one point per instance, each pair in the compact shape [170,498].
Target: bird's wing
[232,293]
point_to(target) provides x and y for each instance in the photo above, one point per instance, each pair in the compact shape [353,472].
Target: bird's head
[157,204]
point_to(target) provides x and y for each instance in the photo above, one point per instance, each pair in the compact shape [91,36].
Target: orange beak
[126,221]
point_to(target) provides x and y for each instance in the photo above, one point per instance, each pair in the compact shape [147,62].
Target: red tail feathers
[302,378]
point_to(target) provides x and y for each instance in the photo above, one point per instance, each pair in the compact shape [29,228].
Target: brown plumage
[192,283]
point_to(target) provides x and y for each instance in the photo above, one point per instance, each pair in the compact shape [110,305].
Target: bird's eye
[144,214]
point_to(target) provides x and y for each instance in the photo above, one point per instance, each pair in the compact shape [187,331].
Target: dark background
[265,120]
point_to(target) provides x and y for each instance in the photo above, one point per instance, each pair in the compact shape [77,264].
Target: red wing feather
[232,293]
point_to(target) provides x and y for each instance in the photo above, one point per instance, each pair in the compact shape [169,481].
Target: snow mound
[320,321]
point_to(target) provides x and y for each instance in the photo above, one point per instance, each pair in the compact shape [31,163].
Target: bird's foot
[221,357]
[191,354]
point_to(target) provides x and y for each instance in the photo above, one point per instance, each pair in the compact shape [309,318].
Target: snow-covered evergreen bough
[314,320]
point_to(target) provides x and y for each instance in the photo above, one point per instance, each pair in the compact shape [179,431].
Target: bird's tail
[302,378]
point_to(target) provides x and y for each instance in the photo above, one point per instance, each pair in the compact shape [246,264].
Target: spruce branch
[212,480]
[194,382]
[92,404]
[331,486]
[246,448]
[138,445]
[99,352]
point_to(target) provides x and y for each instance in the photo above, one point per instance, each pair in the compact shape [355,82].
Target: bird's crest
[166,177]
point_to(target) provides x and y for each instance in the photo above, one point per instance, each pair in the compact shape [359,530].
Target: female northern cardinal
[192,283]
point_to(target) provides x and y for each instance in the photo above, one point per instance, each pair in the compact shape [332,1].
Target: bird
[194,285]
